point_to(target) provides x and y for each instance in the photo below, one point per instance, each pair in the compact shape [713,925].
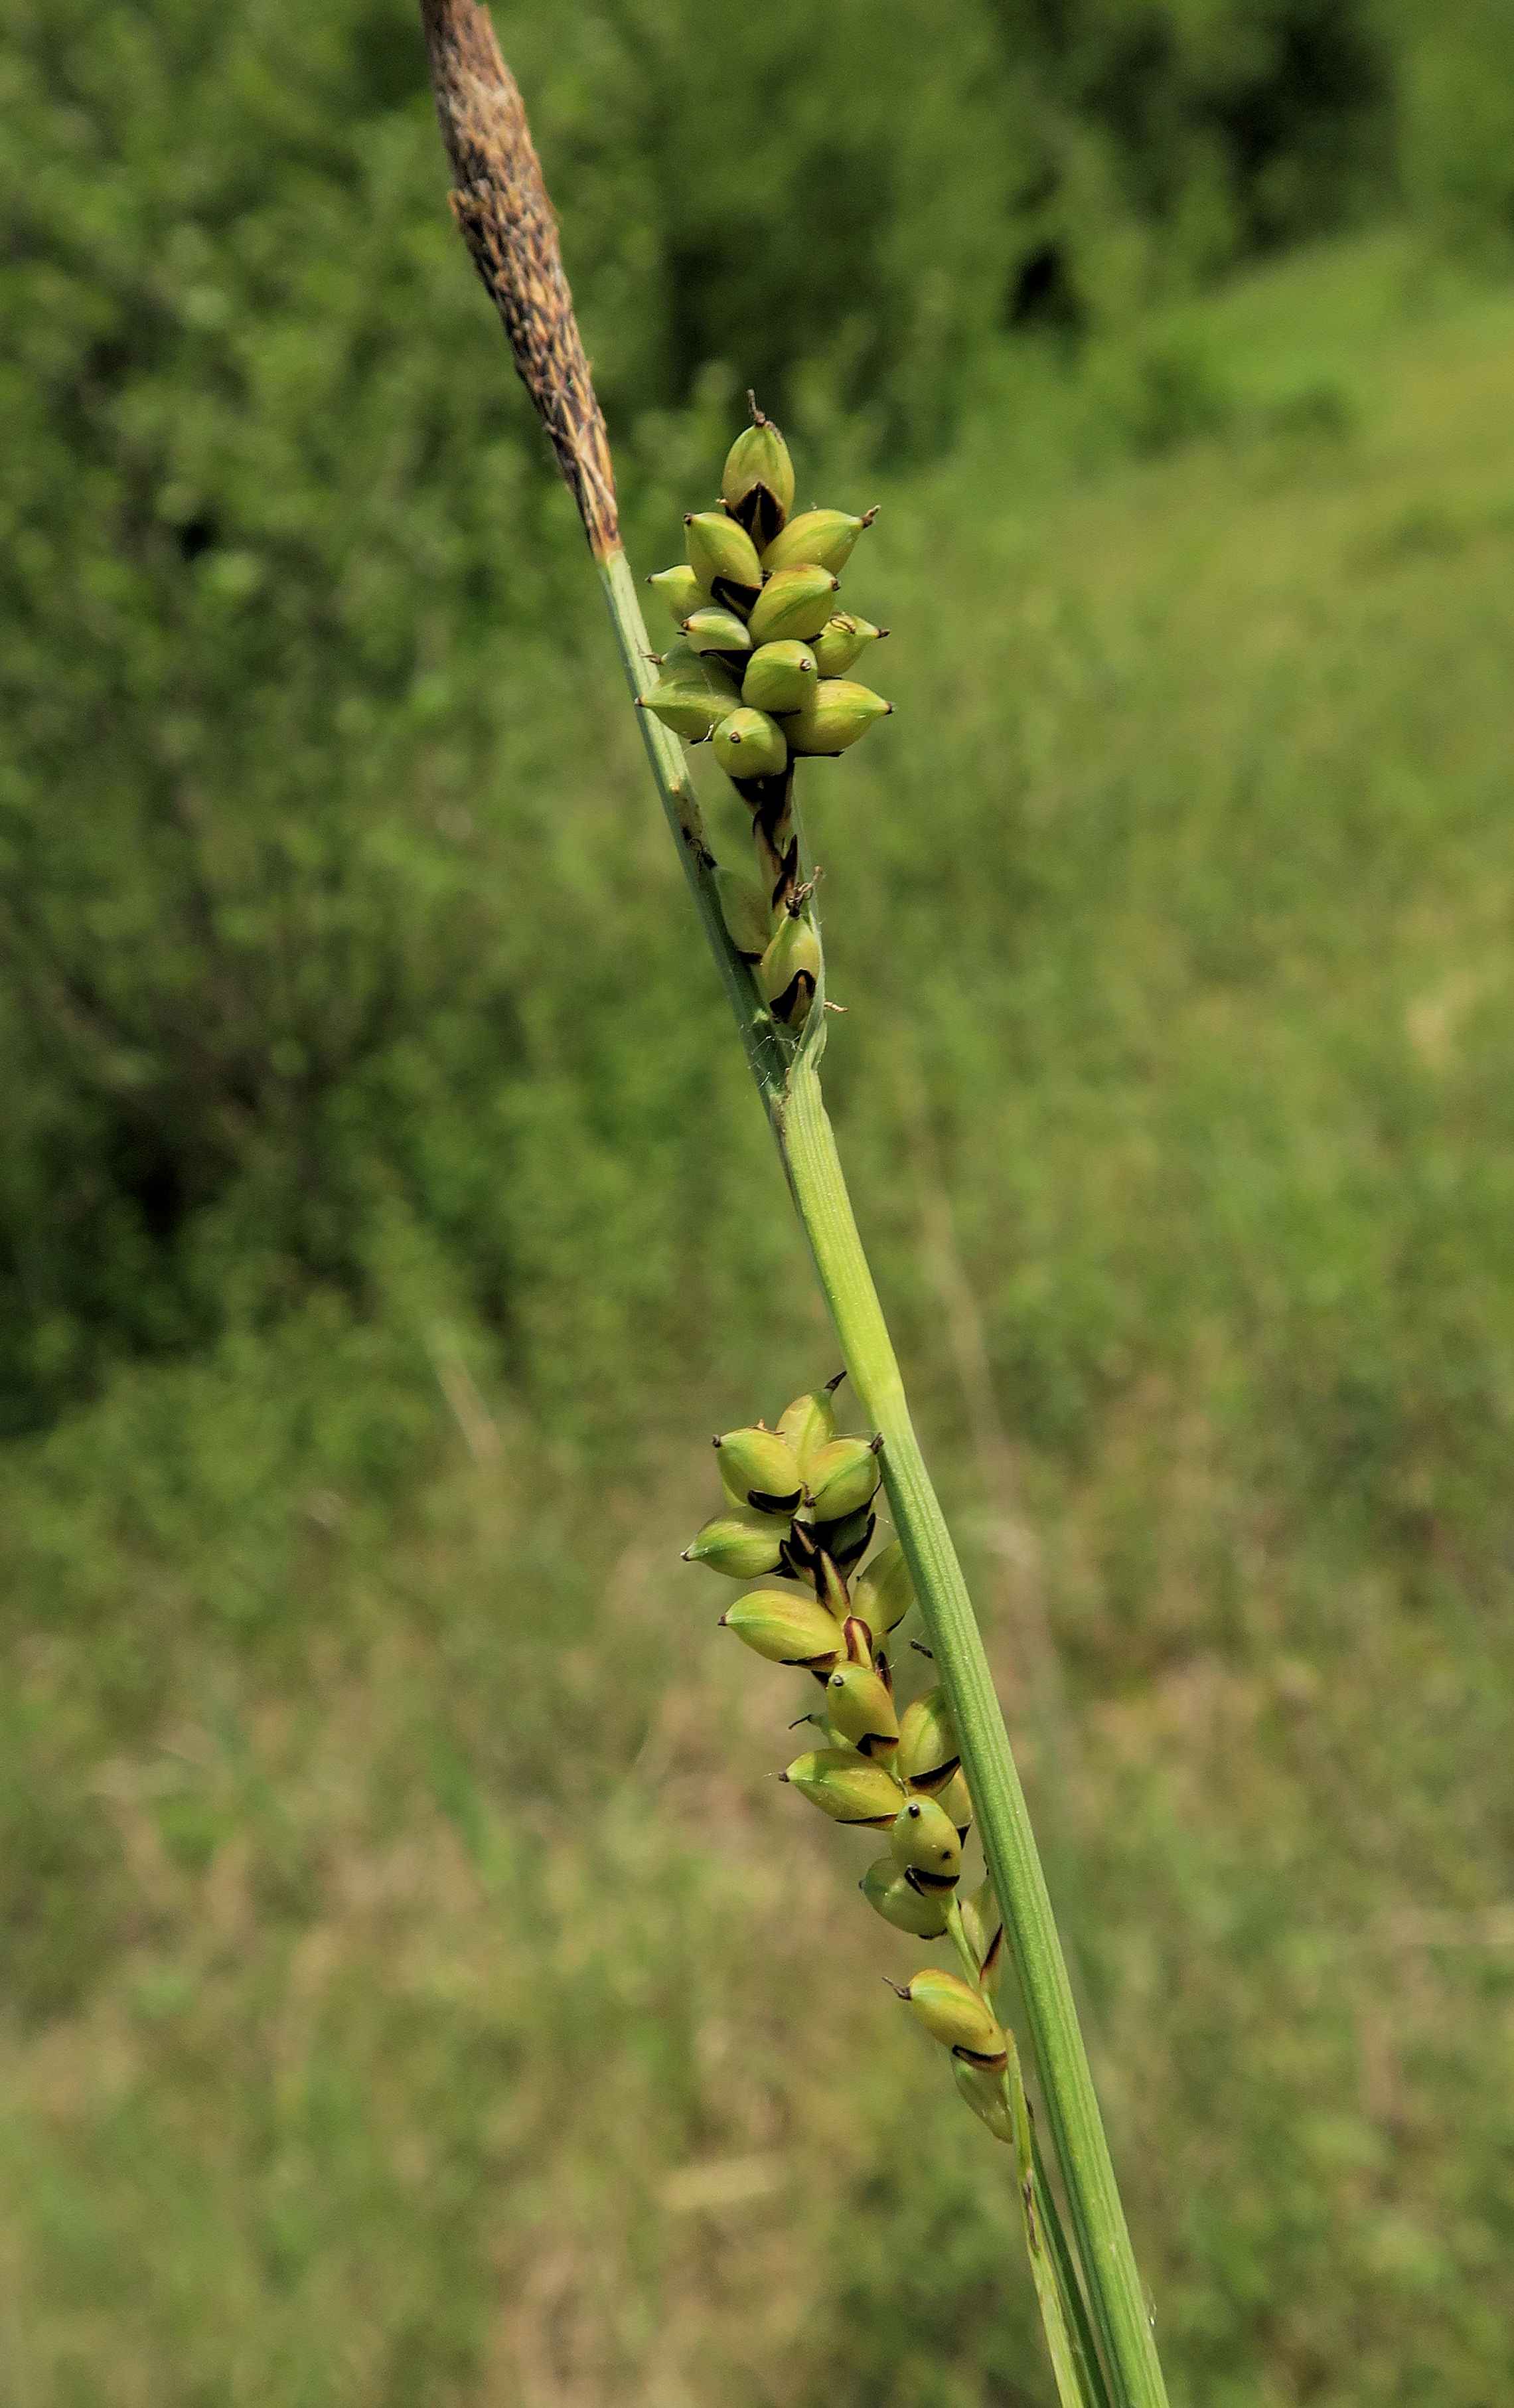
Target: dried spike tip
[795,604]
[843,1477]
[788,971]
[982,2087]
[955,2016]
[840,714]
[747,915]
[925,1845]
[679,589]
[742,1544]
[757,484]
[845,1786]
[758,1471]
[861,1710]
[842,641]
[929,1749]
[884,1593]
[780,677]
[749,744]
[715,629]
[721,555]
[786,1626]
[807,1424]
[888,1893]
[822,539]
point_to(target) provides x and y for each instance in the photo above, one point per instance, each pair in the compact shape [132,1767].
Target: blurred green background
[413,1987]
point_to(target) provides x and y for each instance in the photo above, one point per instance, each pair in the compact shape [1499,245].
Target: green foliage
[1457,114]
[1210,131]
[290,599]
[414,1987]
[404,1957]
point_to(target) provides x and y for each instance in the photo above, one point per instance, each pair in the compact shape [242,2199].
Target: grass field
[418,1991]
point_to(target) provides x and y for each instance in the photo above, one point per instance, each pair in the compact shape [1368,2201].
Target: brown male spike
[500,203]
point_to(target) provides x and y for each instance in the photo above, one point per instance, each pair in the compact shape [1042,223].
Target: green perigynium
[681,594]
[860,1705]
[841,642]
[787,1626]
[928,1751]
[789,969]
[884,1593]
[758,1470]
[956,2015]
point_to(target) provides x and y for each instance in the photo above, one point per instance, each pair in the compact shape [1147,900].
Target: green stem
[1075,2360]
[1068,2286]
[791,1092]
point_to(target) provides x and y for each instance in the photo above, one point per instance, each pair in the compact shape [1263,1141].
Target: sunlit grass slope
[415,1988]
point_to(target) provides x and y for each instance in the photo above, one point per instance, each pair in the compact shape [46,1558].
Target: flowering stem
[503,211]
[789,1082]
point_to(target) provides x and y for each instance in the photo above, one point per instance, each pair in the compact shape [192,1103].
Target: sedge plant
[758,666]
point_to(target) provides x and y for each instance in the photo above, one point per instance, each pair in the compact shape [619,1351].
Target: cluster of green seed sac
[799,1518]
[760,673]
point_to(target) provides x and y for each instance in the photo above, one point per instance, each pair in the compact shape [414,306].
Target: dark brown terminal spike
[500,203]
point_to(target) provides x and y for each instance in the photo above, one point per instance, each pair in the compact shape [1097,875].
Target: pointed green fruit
[680,588]
[790,970]
[886,1890]
[956,2016]
[691,700]
[929,1751]
[691,714]
[842,640]
[807,1424]
[845,1786]
[758,1470]
[925,1846]
[747,914]
[884,1593]
[817,538]
[715,629]
[982,2087]
[795,603]
[842,1477]
[984,1927]
[757,485]
[681,665]
[785,1626]
[780,677]
[721,553]
[956,1803]
[840,713]
[861,1710]
[743,1545]
[749,744]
